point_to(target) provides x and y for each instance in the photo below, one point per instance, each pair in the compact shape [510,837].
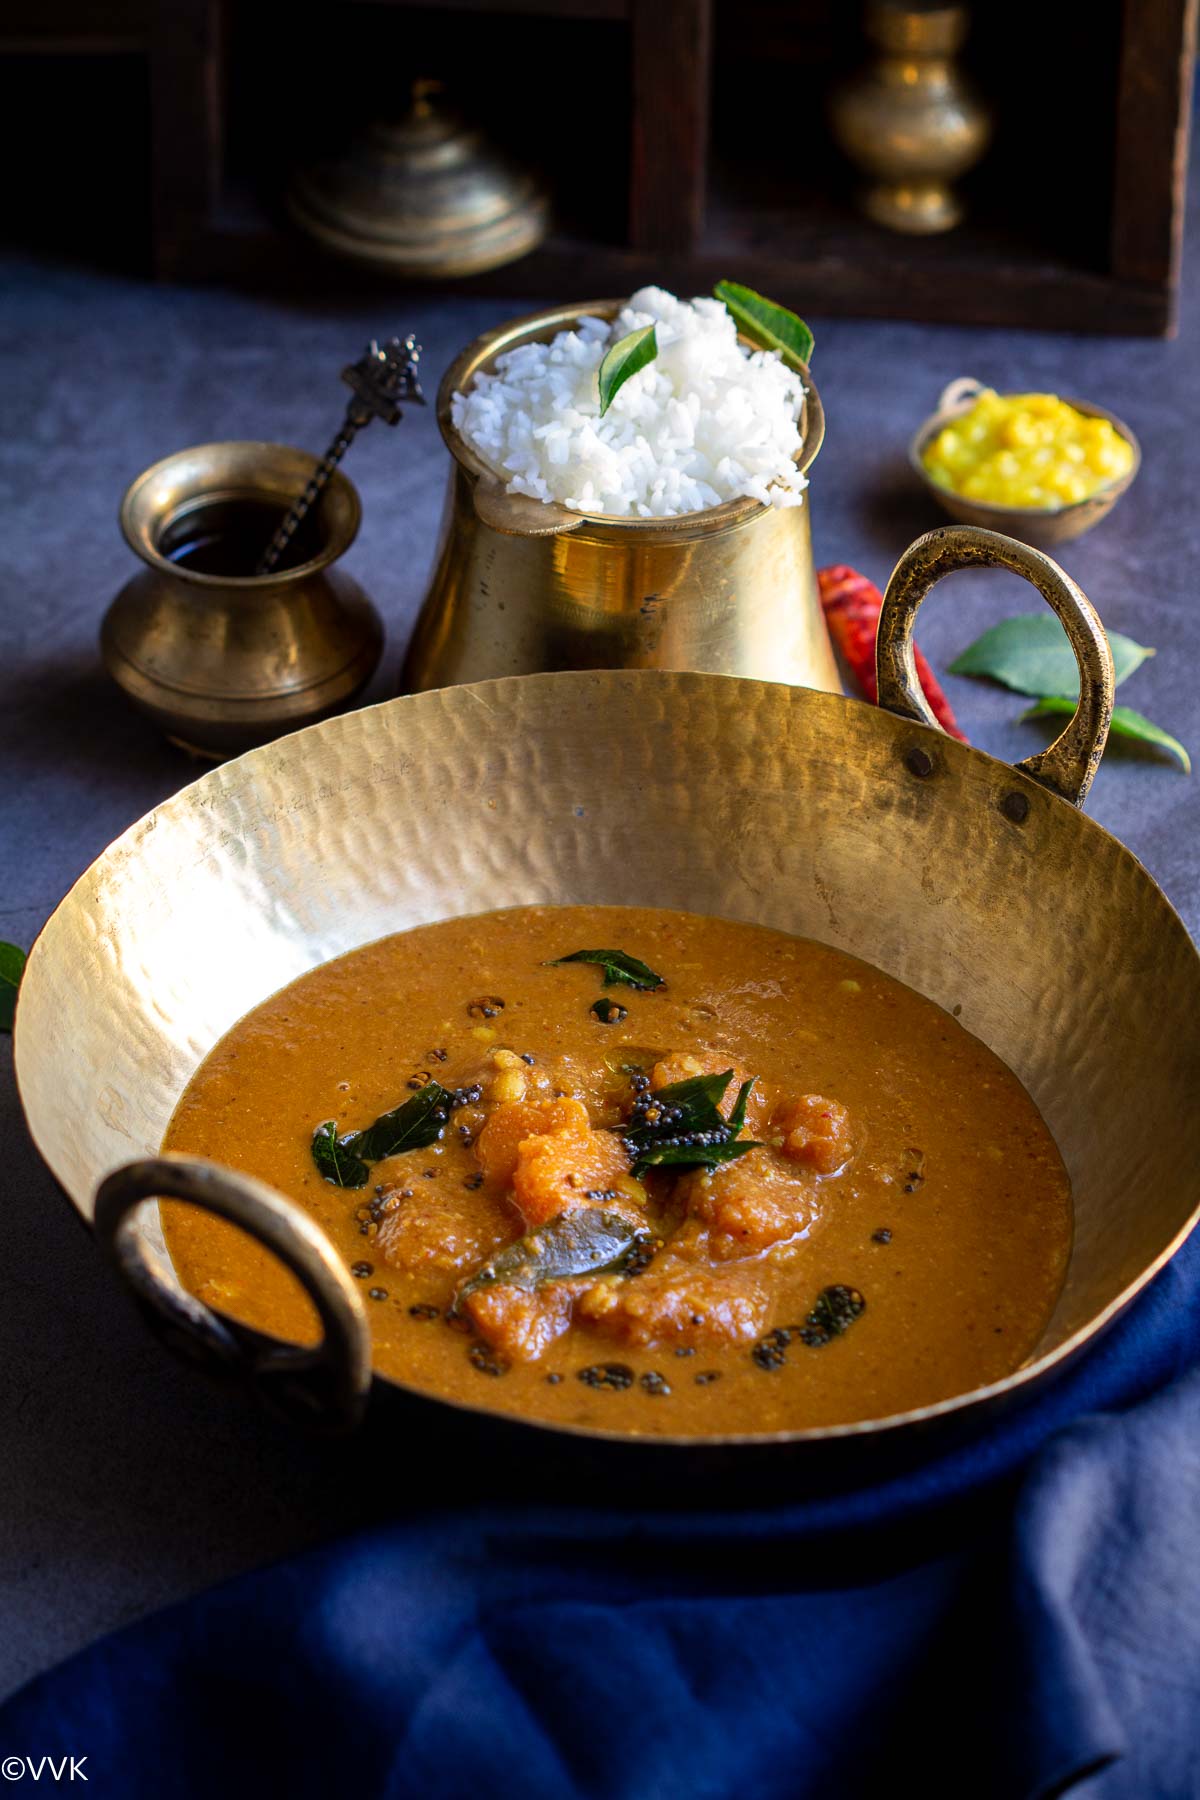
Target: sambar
[898,1234]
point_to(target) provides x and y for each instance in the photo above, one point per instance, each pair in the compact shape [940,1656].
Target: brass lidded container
[424,197]
[223,662]
[522,585]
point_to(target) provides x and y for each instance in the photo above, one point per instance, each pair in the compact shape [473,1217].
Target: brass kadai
[520,585]
[982,886]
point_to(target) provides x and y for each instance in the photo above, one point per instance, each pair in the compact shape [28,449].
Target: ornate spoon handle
[381,378]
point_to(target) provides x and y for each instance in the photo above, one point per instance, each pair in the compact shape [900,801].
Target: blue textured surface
[127,1485]
[1044,1635]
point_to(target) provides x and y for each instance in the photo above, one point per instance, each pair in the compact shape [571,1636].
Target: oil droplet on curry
[778,1189]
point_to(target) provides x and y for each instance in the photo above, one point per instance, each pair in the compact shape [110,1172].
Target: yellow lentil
[1026,450]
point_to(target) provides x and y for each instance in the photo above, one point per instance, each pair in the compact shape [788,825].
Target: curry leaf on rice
[765,322]
[627,356]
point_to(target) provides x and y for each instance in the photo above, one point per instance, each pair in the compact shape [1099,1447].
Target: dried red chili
[851,605]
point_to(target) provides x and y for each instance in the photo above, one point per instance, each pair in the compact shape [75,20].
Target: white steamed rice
[706,421]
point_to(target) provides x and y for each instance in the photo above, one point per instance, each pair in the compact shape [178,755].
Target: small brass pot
[223,662]
[521,585]
[1042,526]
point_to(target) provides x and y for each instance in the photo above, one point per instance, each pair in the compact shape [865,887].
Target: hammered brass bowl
[1043,527]
[983,887]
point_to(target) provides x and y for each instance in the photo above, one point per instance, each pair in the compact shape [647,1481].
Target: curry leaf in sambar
[627,356]
[620,970]
[766,323]
[696,1101]
[12,965]
[737,1117]
[686,1128]
[413,1125]
[1126,723]
[335,1160]
[1032,655]
[584,1241]
[692,1156]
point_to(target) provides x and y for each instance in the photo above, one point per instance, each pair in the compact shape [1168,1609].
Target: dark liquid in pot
[228,537]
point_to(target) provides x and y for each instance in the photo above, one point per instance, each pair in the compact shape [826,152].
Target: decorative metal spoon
[381,378]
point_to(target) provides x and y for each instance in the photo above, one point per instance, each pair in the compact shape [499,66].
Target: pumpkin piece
[816,1132]
[575,1166]
[750,1205]
[508,1126]
[433,1230]
[678,1303]
[518,1322]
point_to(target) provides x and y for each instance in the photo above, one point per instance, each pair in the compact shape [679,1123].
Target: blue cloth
[1018,1617]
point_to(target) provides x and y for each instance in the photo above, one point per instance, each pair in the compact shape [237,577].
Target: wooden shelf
[849,268]
[676,86]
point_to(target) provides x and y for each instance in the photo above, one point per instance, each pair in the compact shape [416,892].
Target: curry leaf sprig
[12,967]
[1125,722]
[1031,655]
[620,969]
[414,1125]
[681,1125]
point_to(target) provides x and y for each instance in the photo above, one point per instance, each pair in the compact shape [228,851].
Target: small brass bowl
[1043,526]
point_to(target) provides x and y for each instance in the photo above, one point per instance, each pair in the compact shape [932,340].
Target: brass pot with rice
[566,576]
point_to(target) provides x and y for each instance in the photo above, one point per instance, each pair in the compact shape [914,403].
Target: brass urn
[521,585]
[910,120]
[220,658]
